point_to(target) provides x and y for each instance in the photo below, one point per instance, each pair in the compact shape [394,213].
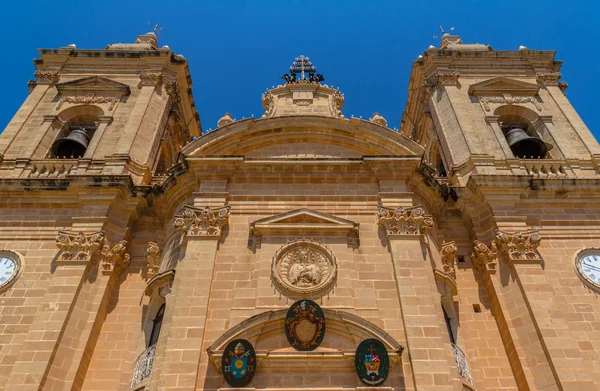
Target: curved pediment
[303,137]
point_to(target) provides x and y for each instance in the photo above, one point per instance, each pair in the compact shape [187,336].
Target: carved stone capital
[204,222]
[78,248]
[548,78]
[508,99]
[443,78]
[448,253]
[47,77]
[520,247]
[563,87]
[172,88]
[152,259]
[405,221]
[114,259]
[485,258]
[150,79]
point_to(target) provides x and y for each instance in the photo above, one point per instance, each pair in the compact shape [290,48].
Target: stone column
[103,122]
[45,335]
[428,354]
[179,348]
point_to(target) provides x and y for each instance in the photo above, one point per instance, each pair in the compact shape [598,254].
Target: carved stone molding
[520,247]
[150,79]
[508,99]
[114,259]
[204,222]
[303,268]
[47,77]
[443,78]
[87,99]
[172,88]
[548,78]
[160,284]
[485,258]
[152,259]
[405,221]
[78,248]
[448,253]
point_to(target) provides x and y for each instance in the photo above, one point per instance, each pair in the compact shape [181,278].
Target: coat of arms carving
[304,268]
[305,325]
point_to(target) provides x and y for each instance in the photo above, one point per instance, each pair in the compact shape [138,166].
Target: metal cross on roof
[302,65]
[156,29]
[443,32]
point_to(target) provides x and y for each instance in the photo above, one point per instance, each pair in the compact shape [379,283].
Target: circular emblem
[305,325]
[238,363]
[304,268]
[372,362]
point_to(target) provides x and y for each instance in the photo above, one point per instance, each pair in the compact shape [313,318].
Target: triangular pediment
[93,84]
[503,85]
[304,222]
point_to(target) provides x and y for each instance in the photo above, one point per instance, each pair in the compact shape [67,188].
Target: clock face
[9,267]
[588,265]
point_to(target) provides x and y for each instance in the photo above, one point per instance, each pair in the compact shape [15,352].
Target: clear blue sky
[238,48]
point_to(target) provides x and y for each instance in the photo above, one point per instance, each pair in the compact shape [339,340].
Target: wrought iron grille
[461,364]
[143,366]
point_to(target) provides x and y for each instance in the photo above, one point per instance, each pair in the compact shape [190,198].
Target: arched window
[78,125]
[525,133]
[157,324]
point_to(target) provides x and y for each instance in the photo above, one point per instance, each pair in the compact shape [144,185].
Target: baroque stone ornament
[150,79]
[448,253]
[193,221]
[372,362]
[485,258]
[78,248]
[548,78]
[305,325]
[152,259]
[508,99]
[303,268]
[520,247]
[172,88]
[47,77]
[405,221]
[87,99]
[444,78]
[114,259]
[238,363]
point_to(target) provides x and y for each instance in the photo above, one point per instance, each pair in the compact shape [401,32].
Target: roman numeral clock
[10,268]
[587,264]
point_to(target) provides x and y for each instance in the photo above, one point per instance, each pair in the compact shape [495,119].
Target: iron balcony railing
[461,364]
[143,366]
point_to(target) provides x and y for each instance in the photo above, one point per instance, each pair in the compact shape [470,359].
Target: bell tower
[124,110]
[481,111]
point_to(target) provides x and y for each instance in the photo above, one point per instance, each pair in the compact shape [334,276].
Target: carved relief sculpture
[88,98]
[150,79]
[508,99]
[78,248]
[448,253]
[520,247]
[47,77]
[444,78]
[115,258]
[152,258]
[405,221]
[485,258]
[303,268]
[548,78]
[205,221]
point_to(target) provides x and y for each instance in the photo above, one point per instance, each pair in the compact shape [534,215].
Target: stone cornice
[78,248]
[201,222]
[520,247]
[404,221]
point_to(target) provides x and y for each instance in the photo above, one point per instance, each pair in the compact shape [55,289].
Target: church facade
[302,249]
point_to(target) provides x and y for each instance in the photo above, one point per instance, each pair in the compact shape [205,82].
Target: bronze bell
[525,146]
[72,146]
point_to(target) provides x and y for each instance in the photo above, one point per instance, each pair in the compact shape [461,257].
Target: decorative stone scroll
[172,88]
[405,221]
[548,78]
[150,79]
[114,259]
[89,98]
[304,268]
[444,78]
[485,258]
[508,99]
[204,222]
[47,77]
[78,248]
[152,259]
[520,247]
[448,252]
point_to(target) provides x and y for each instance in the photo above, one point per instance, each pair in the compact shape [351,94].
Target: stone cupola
[303,94]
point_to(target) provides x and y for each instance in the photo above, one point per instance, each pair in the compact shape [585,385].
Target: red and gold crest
[305,325]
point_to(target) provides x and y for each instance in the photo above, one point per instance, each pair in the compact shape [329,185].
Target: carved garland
[47,77]
[194,221]
[114,259]
[520,247]
[405,221]
[89,98]
[152,259]
[78,248]
[507,99]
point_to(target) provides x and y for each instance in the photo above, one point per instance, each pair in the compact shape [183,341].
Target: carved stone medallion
[303,269]
[305,325]
[372,362]
[238,363]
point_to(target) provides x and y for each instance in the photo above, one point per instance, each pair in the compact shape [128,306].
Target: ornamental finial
[302,65]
